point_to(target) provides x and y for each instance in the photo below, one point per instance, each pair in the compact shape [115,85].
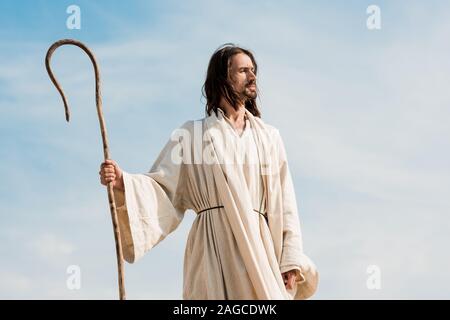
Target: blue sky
[363,114]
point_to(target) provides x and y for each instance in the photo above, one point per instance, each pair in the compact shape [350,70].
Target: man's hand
[111,172]
[289,279]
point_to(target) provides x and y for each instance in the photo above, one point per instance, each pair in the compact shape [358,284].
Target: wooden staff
[98,100]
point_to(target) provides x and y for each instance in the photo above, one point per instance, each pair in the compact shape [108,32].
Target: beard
[249,93]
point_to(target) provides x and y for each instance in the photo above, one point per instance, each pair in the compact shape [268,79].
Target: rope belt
[218,207]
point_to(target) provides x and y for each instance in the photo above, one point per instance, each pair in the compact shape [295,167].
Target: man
[231,169]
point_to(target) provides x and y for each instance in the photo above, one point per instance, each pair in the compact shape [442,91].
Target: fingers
[291,282]
[107,179]
[107,171]
[286,280]
[110,161]
[110,172]
[109,166]
[289,279]
[107,175]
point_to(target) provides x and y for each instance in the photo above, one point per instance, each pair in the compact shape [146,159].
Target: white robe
[240,249]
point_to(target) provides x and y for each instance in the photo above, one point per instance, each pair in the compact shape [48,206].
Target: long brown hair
[216,84]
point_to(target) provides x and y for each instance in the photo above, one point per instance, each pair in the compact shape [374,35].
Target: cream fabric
[232,252]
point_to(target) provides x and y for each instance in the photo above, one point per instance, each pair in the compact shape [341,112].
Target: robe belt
[218,207]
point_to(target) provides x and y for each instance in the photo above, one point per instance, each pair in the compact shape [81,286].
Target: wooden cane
[98,100]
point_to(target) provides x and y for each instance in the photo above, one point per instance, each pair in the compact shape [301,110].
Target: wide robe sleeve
[153,204]
[293,257]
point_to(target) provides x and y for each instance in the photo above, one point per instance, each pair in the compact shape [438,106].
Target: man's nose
[251,75]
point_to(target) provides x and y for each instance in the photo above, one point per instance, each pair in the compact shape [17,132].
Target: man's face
[242,77]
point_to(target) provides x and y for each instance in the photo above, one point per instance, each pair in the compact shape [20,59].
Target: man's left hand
[289,279]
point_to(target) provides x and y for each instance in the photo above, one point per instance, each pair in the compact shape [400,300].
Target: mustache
[251,83]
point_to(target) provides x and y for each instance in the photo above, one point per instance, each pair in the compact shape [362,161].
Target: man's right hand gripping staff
[111,172]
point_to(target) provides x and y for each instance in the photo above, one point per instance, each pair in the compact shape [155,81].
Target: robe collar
[216,119]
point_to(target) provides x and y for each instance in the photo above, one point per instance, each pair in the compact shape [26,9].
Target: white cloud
[13,283]
[50,247]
